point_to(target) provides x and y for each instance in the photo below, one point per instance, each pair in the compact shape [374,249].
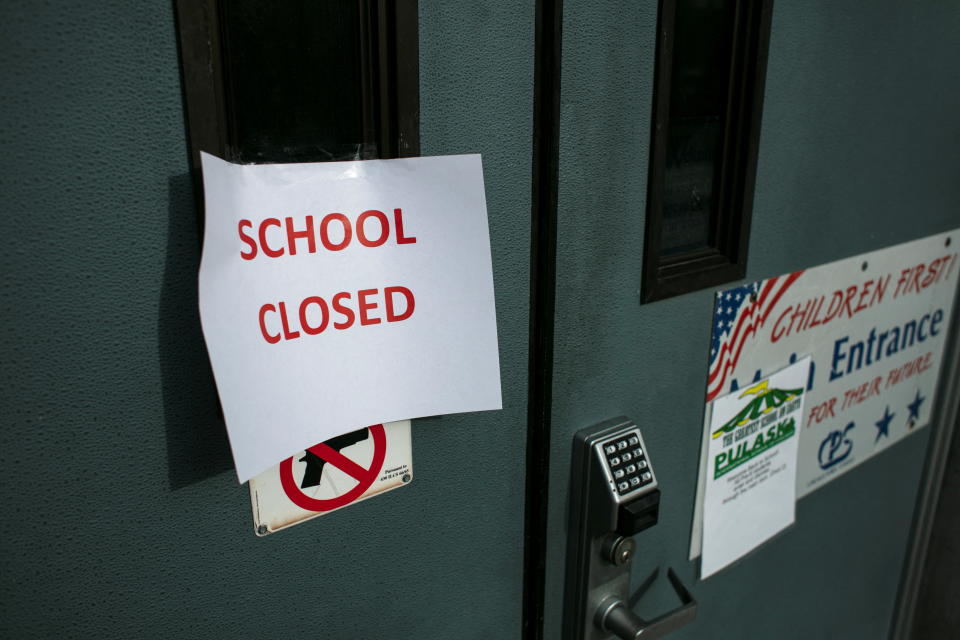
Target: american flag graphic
[739,313]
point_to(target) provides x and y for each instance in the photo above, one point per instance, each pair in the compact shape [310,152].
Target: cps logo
[835,448]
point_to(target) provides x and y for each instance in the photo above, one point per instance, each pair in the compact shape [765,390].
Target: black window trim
[726,261]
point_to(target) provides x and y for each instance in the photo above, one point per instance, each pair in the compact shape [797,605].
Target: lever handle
[613,615]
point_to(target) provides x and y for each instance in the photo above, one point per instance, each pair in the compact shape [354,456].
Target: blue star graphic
[914,407]
[883,425]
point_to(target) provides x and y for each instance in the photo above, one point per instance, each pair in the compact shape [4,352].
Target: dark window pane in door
[295,79]
[707,102]
[703,40]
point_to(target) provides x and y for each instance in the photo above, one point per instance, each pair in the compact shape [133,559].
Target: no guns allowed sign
[330,475]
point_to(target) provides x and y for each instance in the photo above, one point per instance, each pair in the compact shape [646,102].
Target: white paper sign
[337,295]
[751,471]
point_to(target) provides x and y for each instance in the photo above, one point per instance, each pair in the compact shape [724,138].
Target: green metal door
[122,514]
[857,152]
[123,517]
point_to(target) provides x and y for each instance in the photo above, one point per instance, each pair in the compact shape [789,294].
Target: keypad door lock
[614,495]
[630,478]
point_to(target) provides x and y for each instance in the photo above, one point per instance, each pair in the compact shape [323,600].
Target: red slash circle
[364,477]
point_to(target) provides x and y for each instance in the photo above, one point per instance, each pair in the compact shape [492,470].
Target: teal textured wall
[121,512]
[859,150]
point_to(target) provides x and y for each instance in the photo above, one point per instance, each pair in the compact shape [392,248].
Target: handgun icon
[311,477]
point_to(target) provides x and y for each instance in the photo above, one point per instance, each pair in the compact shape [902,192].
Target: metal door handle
[612,498]
[615,616]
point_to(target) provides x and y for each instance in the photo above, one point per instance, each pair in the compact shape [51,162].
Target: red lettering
[775,336]
[320,302]
[325,237]
[361,228]
[307,233]
[263,325]
[346,312]
[910,369]
[398,223]
[864,292]
[903,279]
[315,315]
[805,318]
[406,293]
[822,412]
[816,313]
[917,272]
[363,306]
[831,311]
[287,334]
[800,314]
[932,270]
[247,240]
[881,290]
[269,222]
[851,291]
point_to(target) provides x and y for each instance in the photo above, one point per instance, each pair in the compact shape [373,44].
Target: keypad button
[627,456]
[623,486]
[618,474]
[646,476]
[642,464]
[610,449]
[634,440]
[614,461]
[634,482]
[622,444]
[638,453]
[631,469]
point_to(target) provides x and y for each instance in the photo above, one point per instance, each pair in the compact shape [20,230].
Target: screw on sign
[329,455]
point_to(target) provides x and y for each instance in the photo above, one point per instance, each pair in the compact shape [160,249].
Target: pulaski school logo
[766,400]
[767,420]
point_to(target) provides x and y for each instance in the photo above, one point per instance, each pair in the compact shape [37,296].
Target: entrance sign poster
[875,326]
[331,475]
[337,295]
[750,479]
